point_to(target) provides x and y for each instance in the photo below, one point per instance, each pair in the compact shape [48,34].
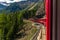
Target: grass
[1,34]
[28,30]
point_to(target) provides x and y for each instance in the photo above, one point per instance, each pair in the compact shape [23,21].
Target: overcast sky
[11,1]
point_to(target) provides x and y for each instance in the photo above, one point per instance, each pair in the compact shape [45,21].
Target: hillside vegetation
[12,23]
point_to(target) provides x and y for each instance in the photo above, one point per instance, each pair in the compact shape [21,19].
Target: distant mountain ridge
[2,7]
[17,5]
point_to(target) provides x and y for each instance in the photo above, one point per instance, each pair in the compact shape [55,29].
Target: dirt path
[42,34]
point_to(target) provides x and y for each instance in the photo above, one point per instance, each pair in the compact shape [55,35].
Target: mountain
[2,7]
[33,0]
[13,7]
[16,6]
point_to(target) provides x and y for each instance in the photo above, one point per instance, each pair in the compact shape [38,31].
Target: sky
[11,1]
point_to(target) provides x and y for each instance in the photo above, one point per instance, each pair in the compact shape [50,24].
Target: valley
[19,20]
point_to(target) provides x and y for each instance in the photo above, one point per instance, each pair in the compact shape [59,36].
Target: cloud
[11,1]
[5,4]
[2,0]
